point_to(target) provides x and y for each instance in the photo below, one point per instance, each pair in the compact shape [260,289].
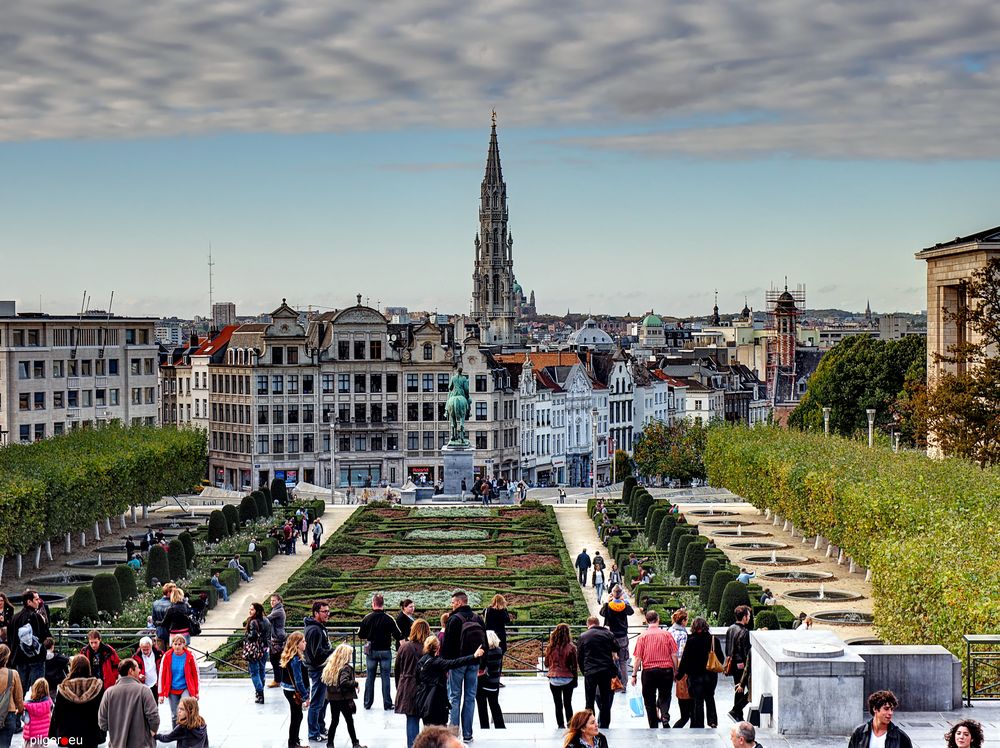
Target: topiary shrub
[126,581]
[232,518]
[188,542]
[694,557]
[627,485]
[157,566]
[263,506]
[667,525]
[634,499]
[107,594]
[653,518]
[766,620]
[176,560]
[677,554]
[719,581]
[265,489]
[733,595]
[248,510]
[708,568]
[642,507]
[230,578]
[279,492]
[218,528]
[679,532]
[82,606]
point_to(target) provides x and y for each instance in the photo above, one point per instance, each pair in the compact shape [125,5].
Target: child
[38,711]
[191,731]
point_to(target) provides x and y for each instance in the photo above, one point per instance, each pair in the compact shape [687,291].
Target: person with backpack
[27,630]
[256,647]
[432,680]
[464,634]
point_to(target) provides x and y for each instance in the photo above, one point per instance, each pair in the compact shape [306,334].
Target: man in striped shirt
[656,655]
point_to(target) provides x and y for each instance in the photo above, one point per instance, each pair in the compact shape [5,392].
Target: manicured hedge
[126,581]
[176,559]
[188,543]
[107,594]
[157,566]
[218,527]
[708,568]
[766,620]
[733,595]
[248,509]
[627,485]
[719,582]
[82,606]
[232,518]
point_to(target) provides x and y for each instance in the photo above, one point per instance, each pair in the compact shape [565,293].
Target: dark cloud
[854,79]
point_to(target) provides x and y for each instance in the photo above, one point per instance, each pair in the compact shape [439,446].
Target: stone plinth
[925,678]
[817,683]
[457,465]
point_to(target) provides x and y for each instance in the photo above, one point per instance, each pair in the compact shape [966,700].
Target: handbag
[713,665]
[616,684]
[682,688]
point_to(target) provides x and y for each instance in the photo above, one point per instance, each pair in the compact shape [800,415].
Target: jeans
[175,699]
[702,689]
[463,682]
[243,575]
[412,730]
[275,658]
[256,668]
[486,698]
[317,703]
[378,660]
[598,688]
[29,673]
[223,592]
[583,575]
[295,713]
[7,730]
[599,588]
[657,684]
[562,696]
[336,709]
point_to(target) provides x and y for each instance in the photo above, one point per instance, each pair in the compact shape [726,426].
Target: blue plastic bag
[636,706]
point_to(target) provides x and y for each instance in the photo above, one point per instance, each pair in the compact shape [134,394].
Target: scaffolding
[784,308]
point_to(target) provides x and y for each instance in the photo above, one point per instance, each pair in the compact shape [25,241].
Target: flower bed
[437,561]
[452,511]
[446,535]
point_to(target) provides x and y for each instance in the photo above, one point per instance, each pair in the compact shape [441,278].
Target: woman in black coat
[498,618]
[177,619]
[432,681]
[488,684]
[77,701]
[701,681]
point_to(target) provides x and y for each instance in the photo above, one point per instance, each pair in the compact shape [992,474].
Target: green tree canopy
[676,451]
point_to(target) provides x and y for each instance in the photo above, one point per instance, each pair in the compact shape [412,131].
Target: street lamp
[871,427]
[593,458]
[826,421]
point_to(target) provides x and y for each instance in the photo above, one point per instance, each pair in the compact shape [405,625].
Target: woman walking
[294,684]
[11,698]
[583,732]
[191,731]
[678,630]
[701,681]
[614,577]
[178,675]
[74,715]
[561,664]
[488,684]
[341,692]
[432,681]
[177,619]
[599,584]
[498,618]
[255,647]
[407,657]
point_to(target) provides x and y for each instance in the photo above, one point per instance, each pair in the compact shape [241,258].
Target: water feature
[726,522]
[101,560]
[821,594]
[775,559]
[845,618]
[739,532]
[176,524]
[796,575]
[711,513]
[757,545]
[61,579]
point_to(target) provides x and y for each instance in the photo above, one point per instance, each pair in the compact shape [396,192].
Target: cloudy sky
[653,151]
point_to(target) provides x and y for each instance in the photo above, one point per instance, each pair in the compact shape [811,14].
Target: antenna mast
[211,289]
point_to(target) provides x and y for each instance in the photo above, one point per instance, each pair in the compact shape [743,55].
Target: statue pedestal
[457,465]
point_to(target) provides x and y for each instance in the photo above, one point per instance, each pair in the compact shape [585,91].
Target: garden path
[229,616]
[578,533]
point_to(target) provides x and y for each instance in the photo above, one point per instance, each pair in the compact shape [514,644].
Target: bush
[653,519]
[263,507]
[694,557]
[188,542]
[157,566]
[766,620]
[249,511]
[642,507]
[734,595]
[719,582]
[667,525]
[230,578]
[82,606]
[279,492]
[677,554]
[126,581]
[232,518]
[679,531]
[627,485]
[264,489]
[218,528]
[633,501]
[176,560]
[708,568]
[107,595]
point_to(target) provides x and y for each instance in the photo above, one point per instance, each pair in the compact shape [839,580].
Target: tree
[733,595]
[157,566]
[675,451]
[232,518]
[218,528]
[963,403]
[858,373]
[83,606]
[627,486]
[249,511]
[188,541]
[623,465]
[107,594]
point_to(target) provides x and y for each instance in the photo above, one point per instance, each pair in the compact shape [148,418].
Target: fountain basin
[740,533]
[65,579]
[796,575]
[765,559]
[53,598]
[112,550]
[711,513]
[812,594]
[727,522]
[176,524]
[865,641]
[845,618]
[109,560]
[757,545]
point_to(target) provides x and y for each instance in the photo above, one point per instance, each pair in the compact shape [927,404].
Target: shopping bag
[635,706]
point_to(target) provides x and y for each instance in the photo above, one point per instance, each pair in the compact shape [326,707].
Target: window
[480,383]
[88,398]
[34,338]
[375,350]
[375,381]
[344,444]
[360,413]
[277,355]
[343,413]
[412,439]
[18,338]
[150,395]
[359,382]
[442,416]
[376,413]
[278,444]
[58,428]
[428,440]
[343,383]
[38,370]
[327,384]
[428,411]
[360,443]
[482,411]
[147,366]
[278,415]
[376,443]
[392,412]
[307,414]
[277,384]
[130,336]
[327,413]
[24,401]
[24,432]
[115,398]
[57,368]
[411,383]
[307,384]
[85,367]
[359,349]
[412,411]
[100,398]
[442,382]
[428,383]
[293,384]
[324,443]
[262,444]
[293,443]
[480,440]
[262,415]
[392,442]
[74,368]
[112,367]
[293,414]
[24,370]
[39,431]
[135,366]
[442,438]
[307,442]
[343,349]
[58,399]
[261,383]
[697,404]
[391,382]
[100,367]
[428,352]
[293,358]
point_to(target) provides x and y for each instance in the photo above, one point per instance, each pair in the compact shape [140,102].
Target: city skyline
[652,155]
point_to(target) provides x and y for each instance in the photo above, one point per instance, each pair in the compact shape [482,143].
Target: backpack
[472,636]
[28,642]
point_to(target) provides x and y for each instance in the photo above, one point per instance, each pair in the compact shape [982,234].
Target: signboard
[290,477]
[558,462]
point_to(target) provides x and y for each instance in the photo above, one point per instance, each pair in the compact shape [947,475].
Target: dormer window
[428,352]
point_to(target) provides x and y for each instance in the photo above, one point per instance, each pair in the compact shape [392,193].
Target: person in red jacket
[178,675]
[103,659]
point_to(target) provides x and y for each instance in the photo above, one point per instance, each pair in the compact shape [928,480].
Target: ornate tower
[493,277]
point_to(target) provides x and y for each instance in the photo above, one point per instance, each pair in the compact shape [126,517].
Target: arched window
[428,352]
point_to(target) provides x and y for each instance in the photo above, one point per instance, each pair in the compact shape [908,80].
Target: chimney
[7,309]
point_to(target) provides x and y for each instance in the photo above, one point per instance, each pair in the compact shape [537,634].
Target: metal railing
[982,667]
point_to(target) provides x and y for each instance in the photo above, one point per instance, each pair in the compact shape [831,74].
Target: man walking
[317,532]
[278,637]
[378,629]
[596,651]
[738,654]
[317,650]
[582,566]
[616,612]
[128,711]
[880,729]
[656,657]
[25,635]
[464,634]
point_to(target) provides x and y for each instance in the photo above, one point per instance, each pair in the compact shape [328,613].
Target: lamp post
[871,427]
[593,446]
[826,421]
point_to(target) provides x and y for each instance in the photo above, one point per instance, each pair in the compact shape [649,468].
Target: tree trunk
[20,561]
[107,525]
[132,510]
[145,512]
[122,524]
[38,556]
[48,549]
[69,543]
[83,539]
